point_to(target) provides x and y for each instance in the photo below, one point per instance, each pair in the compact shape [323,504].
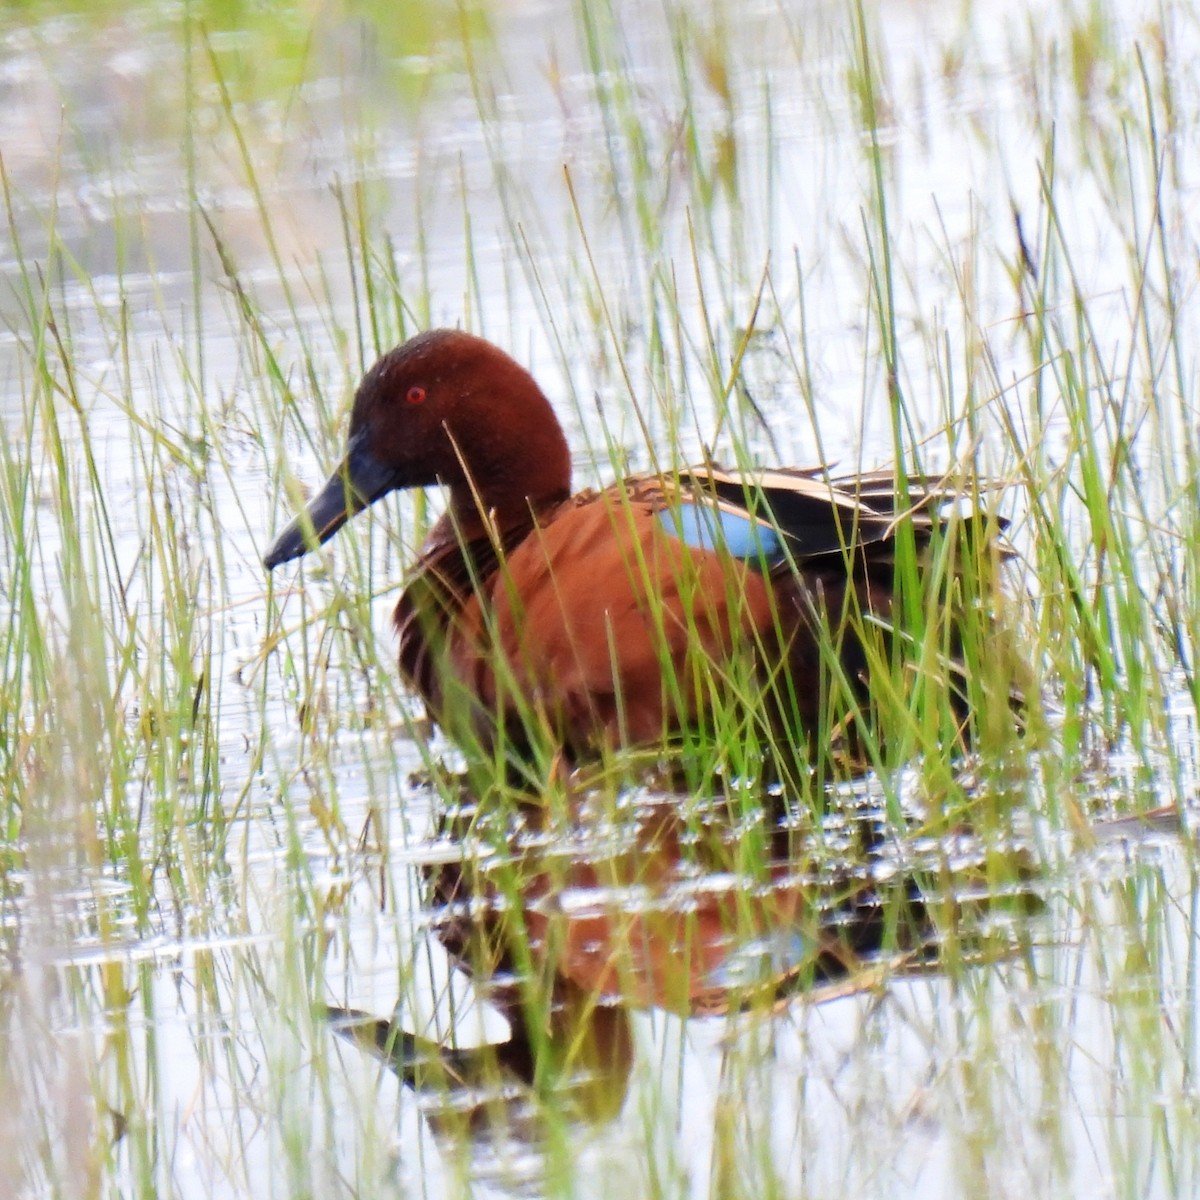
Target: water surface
[219,819]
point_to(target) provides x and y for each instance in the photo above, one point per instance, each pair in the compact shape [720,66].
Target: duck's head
[444,408]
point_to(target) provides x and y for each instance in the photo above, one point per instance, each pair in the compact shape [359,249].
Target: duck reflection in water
[665,904]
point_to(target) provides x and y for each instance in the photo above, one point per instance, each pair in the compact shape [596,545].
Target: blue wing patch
[707,527]
[754,963]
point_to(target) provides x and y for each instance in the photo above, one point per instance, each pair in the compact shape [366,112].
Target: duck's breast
[602,622]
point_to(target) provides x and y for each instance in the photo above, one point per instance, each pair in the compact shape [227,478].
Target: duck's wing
[772,515]
[805,513]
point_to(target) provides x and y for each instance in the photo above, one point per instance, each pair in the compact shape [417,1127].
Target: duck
[631,615]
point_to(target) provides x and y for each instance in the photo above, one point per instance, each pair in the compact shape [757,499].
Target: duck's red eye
[416,394]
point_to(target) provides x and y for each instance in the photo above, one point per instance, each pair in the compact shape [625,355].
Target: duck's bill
[359,480]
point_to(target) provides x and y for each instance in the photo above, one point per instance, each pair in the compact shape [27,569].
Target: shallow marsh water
[212,823]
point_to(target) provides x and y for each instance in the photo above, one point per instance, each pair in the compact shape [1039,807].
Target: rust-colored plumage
[617,617]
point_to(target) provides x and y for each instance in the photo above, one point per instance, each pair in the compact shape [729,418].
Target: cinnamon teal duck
[623,616]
